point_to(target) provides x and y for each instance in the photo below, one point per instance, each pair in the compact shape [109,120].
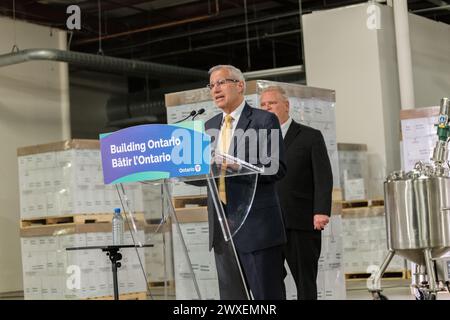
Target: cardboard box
[159,259]
[364,241]
[418,135]
[354,171]
[45,263]
[66,178]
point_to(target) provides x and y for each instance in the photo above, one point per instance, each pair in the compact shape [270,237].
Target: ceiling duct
[144,107]
[102,63]
[275,72]
[133,109]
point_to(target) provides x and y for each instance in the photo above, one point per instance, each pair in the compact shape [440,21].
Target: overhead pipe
[404,60]
[152,27]
[274,72]
[103,63]
[135,105]
[445,7]
[234,24]
[134,108]
[224,44]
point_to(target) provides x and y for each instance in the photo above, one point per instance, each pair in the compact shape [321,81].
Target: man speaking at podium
[259,242]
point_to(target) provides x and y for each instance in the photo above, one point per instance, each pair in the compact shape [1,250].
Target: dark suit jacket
[307,189]
[264,226]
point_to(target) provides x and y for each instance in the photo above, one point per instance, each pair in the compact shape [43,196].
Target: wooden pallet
[355,204]
[403,274]
[72,219]
[190,201]
[159,293]
[125,296]
[160,284]
[362,203]
[157,288]
[376,202]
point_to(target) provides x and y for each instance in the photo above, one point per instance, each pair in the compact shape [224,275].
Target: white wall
[341,53]
[430,47]
[33,110]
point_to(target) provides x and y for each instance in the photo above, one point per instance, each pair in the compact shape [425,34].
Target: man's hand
[320,221]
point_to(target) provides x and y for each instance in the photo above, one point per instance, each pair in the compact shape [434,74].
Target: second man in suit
[305,192]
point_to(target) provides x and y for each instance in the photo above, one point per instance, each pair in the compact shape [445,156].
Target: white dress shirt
[285,126]
[236,114]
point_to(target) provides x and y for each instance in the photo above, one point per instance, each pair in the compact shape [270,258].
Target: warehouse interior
[377,69]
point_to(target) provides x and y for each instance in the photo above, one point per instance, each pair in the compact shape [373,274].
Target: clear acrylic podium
[180,265]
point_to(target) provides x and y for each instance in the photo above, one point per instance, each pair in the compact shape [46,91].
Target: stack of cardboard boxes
[354,171]
[52,273]
[365,243]
[64,203]
[363,224]
[194,229]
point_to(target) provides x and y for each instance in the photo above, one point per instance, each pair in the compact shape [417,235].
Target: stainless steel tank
[417,208]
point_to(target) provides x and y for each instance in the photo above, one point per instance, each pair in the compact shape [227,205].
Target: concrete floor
[398,289]
[393,289]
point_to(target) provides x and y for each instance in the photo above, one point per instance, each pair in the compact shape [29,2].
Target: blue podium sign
[155,151]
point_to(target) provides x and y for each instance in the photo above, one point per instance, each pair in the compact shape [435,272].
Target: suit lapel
[293,131]
[244,121]
[215,123]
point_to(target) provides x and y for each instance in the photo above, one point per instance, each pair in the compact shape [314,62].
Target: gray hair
[235,72]
[278,89]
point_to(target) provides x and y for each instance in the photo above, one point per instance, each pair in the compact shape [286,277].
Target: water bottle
[117,228]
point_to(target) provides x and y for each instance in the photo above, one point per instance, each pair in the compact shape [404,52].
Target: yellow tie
[224,145]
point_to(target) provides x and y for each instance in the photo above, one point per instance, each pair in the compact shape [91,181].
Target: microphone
[192,114]
[199,112]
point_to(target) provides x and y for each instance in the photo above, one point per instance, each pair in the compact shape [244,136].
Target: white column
[64,89]
[404,54]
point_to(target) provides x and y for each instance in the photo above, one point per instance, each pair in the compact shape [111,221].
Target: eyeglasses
[219,83]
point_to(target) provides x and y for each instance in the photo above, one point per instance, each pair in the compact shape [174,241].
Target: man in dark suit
[305,193]
[258,244]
